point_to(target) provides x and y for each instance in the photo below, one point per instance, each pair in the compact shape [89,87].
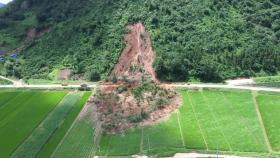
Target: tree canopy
[210,40]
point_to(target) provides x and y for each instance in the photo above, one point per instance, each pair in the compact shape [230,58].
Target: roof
[13,55]
[2,52]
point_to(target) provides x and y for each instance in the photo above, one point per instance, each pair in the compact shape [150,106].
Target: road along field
[209,120]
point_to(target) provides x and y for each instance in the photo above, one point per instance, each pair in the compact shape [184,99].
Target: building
[2,53]
[14,55]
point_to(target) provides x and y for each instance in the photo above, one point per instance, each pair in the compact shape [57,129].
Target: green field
[33,144]
[78,142]
[33,122]
[211,120]
[269,105]
[48,124]
[22,114]
[52,143]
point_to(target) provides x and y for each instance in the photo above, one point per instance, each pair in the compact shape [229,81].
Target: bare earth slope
[133,97]
[138,56]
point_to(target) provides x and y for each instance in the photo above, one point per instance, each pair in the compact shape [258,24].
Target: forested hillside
[210,40]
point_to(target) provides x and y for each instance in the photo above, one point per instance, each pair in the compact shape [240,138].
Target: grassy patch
[52,143]
[23,114]
[269,106]
[270,81]
[267,79]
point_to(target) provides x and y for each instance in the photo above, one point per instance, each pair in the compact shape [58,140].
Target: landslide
[133,97]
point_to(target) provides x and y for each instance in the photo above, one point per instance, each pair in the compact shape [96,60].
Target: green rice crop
[22,115]
[52,143]
[269,106]
[33,144]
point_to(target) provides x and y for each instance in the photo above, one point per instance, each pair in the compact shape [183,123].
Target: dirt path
[240,82]
[18,83]
[180,127]
[173,85]
[255,94]
[221,86]
[196,155]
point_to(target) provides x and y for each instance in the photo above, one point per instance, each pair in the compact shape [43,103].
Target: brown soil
[32,33]
[138,56]
[64,74]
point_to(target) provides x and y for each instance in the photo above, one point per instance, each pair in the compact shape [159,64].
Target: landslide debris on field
[133,97]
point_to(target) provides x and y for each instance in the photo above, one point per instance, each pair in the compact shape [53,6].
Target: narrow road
[20,84]
[47,86]
[5,78]
[15,83]
[222,86]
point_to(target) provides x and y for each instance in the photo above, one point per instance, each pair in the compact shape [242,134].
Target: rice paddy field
[30,119]
[52,124]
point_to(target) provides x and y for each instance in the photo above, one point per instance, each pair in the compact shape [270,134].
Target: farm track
[172,85]
[180,127]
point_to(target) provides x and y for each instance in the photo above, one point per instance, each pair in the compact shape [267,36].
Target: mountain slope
[209,40]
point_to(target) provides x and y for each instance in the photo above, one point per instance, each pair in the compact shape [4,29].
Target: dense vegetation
[210,40]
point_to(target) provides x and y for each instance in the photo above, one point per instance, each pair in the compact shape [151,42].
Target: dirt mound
[125,106]
[133,97]
[33,33]
[137,59]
